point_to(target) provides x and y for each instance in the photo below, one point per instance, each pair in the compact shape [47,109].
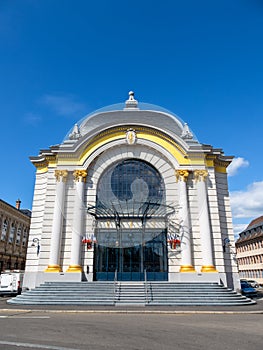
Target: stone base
[34,279]
[194,277]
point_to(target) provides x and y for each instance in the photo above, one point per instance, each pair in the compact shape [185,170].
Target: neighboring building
[14,223]
[249,251]
[131,192]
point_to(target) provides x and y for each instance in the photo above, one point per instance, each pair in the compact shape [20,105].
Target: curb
[158,312]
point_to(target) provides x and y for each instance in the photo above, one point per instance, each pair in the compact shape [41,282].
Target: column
[204,223]
[186,254]
[54,264]
[77,229]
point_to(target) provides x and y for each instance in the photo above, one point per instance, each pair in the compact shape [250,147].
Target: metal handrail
[146,287]
[115,285]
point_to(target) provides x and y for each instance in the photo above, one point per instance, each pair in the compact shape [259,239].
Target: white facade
[193,215]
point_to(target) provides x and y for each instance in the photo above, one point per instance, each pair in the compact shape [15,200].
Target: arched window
[129,186]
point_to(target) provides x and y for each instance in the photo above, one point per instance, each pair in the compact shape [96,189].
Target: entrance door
[131,262]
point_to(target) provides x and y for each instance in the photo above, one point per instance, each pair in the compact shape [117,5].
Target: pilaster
[54,264]
[204,223]
[77,229]
[186,254]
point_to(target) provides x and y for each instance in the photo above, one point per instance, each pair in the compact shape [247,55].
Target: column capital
[61,175]
[80,175]
[181,175]
[200,175]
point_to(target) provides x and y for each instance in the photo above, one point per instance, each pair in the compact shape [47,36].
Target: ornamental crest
[131,136]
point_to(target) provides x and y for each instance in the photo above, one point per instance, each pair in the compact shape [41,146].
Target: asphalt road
[66,331]
[69,327]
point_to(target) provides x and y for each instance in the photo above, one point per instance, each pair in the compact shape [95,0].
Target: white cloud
[248,203]
[63,105]
[32,118]
[236,164]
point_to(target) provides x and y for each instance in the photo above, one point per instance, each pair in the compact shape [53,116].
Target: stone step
[130,293]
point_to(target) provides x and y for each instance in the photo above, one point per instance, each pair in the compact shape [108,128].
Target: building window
[24,239]
[12,233]
[18,235]
[4,230]
[130,186]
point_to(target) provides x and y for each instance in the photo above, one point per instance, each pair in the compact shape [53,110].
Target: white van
[11,282]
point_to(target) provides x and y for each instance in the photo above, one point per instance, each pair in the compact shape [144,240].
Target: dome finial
[131,102]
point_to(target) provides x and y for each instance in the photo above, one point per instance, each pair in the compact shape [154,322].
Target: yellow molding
[99,143]
[53,268]
[74,268]
[171,148]
[208,268]
[187,268]
[119,133]
[220,169]
[209,163]
[42,170]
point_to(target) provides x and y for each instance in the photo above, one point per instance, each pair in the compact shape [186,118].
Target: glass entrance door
[130,262]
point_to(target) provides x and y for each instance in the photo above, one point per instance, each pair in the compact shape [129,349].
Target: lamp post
[36,244]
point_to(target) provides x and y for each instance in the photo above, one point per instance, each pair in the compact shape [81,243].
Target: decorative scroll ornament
[61,175]
[131,136]
[200,175]
[75,135]
[80,175]
[186,133]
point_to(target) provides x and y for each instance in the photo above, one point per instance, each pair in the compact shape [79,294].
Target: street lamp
[226,243]
[36,244]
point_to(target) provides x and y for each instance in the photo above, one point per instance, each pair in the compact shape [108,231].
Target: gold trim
[97,143]
[208,268]
[74,268]
[220,169]
[187,268]
[80,175]
[118,133]
[167,144]
[220,165]
[200,175]
[53,268]
[181,175]
[61,175]
[42,170]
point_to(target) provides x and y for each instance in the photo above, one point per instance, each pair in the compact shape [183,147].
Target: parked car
[247,289]
[253,283]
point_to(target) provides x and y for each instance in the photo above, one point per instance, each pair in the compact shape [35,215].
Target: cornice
[14,212]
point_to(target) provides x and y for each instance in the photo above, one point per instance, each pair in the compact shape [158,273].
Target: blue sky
[60,60]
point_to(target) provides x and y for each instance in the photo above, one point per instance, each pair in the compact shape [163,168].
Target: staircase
[131,294]
[161,293]
[68,293]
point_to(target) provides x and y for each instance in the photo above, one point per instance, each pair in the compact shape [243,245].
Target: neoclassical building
[249,251]
[14,224]
[131,194]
